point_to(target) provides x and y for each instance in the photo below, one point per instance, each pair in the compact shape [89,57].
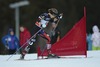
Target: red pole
[85,27]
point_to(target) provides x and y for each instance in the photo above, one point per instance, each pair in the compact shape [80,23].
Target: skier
[43,20]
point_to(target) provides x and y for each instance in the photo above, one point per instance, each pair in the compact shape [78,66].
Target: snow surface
[92,60]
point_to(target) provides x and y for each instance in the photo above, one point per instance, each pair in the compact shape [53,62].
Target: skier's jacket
[11,41]
[24,36]
[43,21]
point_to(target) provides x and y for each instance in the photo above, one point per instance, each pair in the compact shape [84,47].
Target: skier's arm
[58,18]
[42,20]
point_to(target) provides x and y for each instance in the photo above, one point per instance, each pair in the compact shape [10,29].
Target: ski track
[92,60]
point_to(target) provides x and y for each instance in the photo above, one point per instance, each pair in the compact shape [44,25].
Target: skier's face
[52,16]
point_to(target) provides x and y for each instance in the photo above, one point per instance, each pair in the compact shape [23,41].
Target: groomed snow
[92,60]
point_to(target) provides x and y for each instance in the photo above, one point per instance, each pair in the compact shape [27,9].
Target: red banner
[73,43]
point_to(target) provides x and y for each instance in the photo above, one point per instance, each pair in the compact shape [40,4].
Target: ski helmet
[53,11]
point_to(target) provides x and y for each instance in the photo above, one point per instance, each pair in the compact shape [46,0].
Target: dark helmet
[53,11]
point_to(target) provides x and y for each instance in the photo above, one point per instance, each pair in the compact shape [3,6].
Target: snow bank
[92,60]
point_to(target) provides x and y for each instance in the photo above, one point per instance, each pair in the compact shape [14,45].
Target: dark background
[72,10]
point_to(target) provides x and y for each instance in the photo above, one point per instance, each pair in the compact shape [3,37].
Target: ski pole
[25,43]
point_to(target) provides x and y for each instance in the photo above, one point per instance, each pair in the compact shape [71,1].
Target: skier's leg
[50,54]
[32,41]
[49,48]
[24,51]
[48,43]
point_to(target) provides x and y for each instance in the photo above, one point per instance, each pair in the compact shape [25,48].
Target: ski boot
[22,57]
[52,56]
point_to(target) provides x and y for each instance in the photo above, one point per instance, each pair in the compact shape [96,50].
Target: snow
[92,60]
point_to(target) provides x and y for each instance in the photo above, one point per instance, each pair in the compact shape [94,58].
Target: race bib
[44,23]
